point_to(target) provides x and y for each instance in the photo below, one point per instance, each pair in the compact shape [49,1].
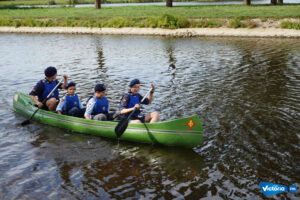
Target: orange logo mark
[190,124]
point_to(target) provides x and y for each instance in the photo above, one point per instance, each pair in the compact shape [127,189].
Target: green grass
[133,12]
[145,16]
[66,2]
[165,21]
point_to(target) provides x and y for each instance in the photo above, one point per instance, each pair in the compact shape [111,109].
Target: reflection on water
[245,91]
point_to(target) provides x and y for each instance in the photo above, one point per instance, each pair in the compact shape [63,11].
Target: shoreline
[184,32]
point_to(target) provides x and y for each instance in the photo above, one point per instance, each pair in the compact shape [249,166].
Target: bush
[48,23]
[73,2]
[51,2]
[39,24]
[183,23]
[29,22]
[290,25]
[118,22]
[210,23]
[152,22]
[263,19]
[17,23]
[169,21]
[6,22]
[251,24]
[99,24]
[68,22]
[236,23]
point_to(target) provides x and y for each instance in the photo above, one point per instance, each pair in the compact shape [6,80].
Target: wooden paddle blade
[121,127]
[26,122]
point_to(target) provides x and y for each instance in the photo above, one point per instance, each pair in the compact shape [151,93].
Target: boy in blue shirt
[97,106]
[131,101]
[70,104]
[44,87]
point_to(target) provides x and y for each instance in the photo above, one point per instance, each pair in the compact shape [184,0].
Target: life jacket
[72,101]
[48,87]
[132,101]
[101,105]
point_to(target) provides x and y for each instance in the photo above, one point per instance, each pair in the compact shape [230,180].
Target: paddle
[26,122]
[122,125]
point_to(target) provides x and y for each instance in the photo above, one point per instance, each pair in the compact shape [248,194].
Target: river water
[246,91]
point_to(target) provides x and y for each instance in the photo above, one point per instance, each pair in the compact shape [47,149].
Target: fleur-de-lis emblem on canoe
[190,124]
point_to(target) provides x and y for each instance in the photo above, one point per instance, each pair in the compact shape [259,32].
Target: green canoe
[185,132]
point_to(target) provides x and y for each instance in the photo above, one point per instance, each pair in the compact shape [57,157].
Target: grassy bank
[43,2]
[67,2]
[234,16]
[142,12]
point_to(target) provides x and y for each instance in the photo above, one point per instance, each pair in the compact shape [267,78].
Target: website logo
[271,188]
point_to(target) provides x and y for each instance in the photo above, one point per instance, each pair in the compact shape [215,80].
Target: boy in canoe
[132,100]
[70,104]
[44,87]
[97,106]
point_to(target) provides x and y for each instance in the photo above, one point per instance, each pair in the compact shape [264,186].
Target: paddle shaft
[134,109]
[122,125]
[141,102]
[53,90]
[146,95]
[44,101]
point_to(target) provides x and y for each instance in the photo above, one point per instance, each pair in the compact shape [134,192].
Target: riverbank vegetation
[72,2]
[290,25]
[233,16]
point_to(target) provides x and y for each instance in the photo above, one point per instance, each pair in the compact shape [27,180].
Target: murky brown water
[245,91]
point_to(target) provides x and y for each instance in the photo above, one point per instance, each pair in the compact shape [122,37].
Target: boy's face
[52,78]
[71,90]
[100,94]
[135,88]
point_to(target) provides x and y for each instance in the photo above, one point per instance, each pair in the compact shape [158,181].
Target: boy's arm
[123,105]
[89,108]
[149,100]
[65,81]
[61,105]
[37,91]
[33,98]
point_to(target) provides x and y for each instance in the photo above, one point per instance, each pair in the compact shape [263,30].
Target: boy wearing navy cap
[97,106]
[45,86]
[70,104]
[132,100]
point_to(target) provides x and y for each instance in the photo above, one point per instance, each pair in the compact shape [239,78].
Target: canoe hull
[185,132]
